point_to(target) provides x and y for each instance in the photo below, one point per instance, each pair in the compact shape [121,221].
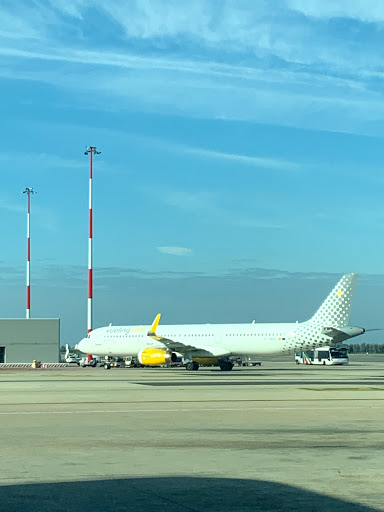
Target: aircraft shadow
[170,494]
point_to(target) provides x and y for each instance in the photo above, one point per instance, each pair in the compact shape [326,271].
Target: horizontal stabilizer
[344,333]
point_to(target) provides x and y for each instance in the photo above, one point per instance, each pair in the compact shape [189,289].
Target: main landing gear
[192,365]
[226,366]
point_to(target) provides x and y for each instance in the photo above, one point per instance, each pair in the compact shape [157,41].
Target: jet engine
[156,356]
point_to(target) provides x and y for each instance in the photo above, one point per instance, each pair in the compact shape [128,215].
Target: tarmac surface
[279,437]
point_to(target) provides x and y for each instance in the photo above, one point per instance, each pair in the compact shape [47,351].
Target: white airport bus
[323,355]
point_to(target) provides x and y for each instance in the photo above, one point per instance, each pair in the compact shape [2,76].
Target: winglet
[152,330]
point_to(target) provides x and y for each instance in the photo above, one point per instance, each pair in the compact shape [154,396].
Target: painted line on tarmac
[368,388]
[210,401]
[194,410]
[265,383]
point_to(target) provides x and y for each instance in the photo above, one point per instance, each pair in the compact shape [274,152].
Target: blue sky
[241,157]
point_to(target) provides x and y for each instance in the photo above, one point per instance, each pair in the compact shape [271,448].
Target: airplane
[206,343]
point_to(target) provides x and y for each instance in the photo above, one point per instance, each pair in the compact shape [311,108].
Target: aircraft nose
[82,345]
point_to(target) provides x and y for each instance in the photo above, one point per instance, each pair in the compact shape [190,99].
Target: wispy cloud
[250,63]
[205,206]
[39,161]
[76,275]
[47,162]
[254,161]
[261,162]
[72,8]
[23,24]
[44,216]
[141,272]
[370,10]
[11,206]
[175,250]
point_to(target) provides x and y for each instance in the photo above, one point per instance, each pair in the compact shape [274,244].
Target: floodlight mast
[28,191]
[90,150]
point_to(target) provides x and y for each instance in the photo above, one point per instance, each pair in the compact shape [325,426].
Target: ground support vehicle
[323,355]
[250,362]
[72,359]
[245,361]
[118,362]
[84,361]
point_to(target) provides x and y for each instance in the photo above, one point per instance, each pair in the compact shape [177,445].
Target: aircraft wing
[179,346]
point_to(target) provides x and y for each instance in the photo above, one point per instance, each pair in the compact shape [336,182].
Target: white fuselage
[328,325]
[235,339]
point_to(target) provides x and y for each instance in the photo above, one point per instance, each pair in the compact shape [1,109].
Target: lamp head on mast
[91,149]
[29,190]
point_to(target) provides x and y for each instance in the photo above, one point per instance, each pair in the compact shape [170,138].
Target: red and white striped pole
[91,150]
[28,191]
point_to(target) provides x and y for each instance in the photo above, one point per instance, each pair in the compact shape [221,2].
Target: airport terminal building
[24,340]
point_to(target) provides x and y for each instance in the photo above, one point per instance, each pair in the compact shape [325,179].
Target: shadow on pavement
[171,494]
